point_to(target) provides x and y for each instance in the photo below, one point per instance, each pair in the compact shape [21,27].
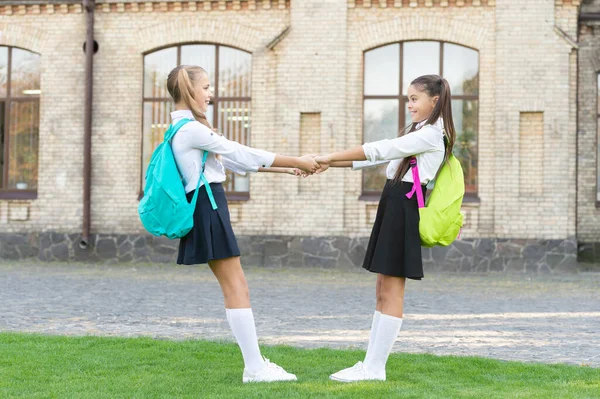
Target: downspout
[88,6]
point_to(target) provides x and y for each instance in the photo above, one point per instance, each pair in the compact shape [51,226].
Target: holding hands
[322,162]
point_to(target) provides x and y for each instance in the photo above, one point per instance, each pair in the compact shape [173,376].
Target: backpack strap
[206,183]
[174,129]
[416,183]
[168,137]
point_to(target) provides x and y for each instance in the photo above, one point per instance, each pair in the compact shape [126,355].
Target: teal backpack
[440,218]
[164,209]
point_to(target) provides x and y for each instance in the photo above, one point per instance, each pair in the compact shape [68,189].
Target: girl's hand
[324,162]
[308,164]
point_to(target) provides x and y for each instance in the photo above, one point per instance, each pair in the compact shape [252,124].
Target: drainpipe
[88,6]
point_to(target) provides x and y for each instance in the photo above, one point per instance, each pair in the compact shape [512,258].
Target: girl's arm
[289,171]
[340,158]
[200,136]
[341,164]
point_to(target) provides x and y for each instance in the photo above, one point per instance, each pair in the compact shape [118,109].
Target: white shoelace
[273,366]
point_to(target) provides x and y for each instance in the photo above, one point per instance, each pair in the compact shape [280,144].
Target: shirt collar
[182,113]
[439,123]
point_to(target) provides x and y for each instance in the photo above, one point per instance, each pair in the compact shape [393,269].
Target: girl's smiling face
[420,104]
[202,92]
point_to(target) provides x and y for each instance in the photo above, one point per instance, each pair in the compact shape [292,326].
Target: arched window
[19,122]
[229,71]
[388,71]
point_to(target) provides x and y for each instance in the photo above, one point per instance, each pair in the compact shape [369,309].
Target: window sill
[470,199]
[369,197]
[237,196]
[233,197]
[18,195]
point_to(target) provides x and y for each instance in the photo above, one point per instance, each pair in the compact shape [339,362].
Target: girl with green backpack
[201,155]
[394,249]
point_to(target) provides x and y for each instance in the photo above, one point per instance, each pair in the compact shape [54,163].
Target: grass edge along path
[34,366]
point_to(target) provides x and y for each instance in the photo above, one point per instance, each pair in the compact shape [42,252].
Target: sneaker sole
[248,381]
[331,377]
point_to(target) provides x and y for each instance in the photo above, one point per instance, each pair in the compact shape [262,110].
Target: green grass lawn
[35,366]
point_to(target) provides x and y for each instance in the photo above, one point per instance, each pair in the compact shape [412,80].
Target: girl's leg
[233,283]
[390,321]
[376,315]
[234,286]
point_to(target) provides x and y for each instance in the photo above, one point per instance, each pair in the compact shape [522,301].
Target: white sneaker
[270,372]
[357,373]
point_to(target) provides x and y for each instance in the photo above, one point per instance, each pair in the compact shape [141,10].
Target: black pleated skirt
[395,245]
[211,237]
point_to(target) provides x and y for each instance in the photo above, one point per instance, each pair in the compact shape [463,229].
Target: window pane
[382,70]
[2,132]
[202,55]
[235,69]
[461,69]
[23,142]
[380,122]
[234,120]
[407,115]
[465,115]
[234,123]
[419,58]
[598,93]
[210,113]
[25,73]
[157,119]
[157,66]
[3,70]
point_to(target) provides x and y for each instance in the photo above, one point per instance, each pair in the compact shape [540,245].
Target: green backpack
[440,218]
[164,209]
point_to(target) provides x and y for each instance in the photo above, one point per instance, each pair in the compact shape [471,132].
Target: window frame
[15,193]
[597,137]
[214,101]
[402,100]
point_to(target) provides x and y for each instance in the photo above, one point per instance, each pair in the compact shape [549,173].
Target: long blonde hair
[180,85]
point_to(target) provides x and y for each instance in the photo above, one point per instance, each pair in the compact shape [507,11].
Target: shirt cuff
[370,152]
[268,160]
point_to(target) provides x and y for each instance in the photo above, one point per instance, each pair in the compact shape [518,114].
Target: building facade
[297,77]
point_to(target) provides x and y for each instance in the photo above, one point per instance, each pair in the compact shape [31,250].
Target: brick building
[299,77]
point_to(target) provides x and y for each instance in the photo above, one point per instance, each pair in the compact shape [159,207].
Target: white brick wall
[525,66]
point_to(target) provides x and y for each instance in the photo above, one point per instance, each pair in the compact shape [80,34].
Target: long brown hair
[433,85]
[180,85]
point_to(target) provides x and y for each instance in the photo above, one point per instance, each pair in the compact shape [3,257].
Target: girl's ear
[435,99]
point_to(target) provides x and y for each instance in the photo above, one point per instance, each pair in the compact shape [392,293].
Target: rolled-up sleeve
[359,165]
[199,136]
[237,167]
[423,140]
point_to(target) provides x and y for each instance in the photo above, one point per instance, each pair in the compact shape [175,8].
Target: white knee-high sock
[374,325]
[387,331]
[242,324]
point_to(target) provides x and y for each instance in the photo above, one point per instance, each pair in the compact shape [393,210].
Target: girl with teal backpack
[185,198]
[404,222]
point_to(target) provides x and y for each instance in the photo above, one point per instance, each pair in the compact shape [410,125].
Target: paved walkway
[545,318]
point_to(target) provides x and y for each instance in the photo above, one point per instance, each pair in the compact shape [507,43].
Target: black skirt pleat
[395,245]
[212,237]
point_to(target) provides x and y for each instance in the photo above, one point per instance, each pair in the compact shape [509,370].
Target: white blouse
[426,143]
[193,138]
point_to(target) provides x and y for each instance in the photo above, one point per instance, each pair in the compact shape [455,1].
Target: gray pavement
[552,318]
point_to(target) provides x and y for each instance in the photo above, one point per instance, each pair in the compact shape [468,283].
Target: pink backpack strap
[416,184]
